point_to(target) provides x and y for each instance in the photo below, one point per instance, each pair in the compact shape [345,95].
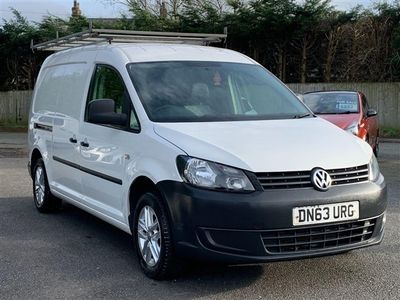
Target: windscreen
[186,91]
[332,103]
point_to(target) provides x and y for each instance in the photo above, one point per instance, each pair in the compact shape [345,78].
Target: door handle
[73,140]
[84,144]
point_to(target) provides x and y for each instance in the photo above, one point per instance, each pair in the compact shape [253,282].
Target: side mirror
[371,113]
[102,111]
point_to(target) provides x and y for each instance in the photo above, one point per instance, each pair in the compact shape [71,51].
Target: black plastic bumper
[228,227]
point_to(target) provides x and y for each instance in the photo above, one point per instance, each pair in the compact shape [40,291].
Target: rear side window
[47,93]
[61,89]
[108,84]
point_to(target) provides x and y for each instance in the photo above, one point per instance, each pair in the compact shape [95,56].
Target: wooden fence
[384,97]
[14,107]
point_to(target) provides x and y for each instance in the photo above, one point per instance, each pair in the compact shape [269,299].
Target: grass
[390,132]
[10,127]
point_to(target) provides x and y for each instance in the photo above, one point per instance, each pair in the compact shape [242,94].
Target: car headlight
[211,175]
[352,128]
[373,169]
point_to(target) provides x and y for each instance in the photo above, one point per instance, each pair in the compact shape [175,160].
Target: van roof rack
[111,36]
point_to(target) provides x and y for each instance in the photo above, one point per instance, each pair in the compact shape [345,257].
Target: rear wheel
[152,238]
[44,201]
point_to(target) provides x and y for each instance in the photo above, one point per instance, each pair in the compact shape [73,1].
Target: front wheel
[44,201]
[152,238]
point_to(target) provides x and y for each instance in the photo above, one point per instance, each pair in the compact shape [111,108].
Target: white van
[201,153]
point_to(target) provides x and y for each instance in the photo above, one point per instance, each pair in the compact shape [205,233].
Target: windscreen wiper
[301,116]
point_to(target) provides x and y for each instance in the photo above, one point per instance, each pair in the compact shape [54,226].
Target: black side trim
[43,127]
[89,171]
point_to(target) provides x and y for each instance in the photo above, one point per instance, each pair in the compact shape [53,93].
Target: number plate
[325,213]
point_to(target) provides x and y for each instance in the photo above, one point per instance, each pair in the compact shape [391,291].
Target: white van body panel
[66,126]
[41,140]
[268,146]
[163,52]
[124,156]
[121,225]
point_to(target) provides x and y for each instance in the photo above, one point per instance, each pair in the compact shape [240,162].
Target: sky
[34,10]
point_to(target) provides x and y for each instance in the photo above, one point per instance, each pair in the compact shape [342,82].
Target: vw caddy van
[198,153]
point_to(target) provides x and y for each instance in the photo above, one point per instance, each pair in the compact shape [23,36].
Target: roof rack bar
[79,34]
[154,38]
[95,36]
[159,33]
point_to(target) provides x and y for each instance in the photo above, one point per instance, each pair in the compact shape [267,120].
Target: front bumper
[232,227]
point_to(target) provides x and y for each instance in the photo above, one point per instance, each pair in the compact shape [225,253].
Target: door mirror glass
[371,112]
[102,111]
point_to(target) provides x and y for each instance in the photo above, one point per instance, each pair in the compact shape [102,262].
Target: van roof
[152,52]
[143,52]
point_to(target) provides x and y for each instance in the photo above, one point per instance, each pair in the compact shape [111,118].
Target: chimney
[76,11]
[163,10]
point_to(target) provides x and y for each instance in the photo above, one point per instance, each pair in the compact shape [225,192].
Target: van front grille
[349,175]
[317,237]
[302,179]
[285,180]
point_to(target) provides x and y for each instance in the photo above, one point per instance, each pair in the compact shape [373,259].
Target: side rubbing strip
[43,127]
[89,171]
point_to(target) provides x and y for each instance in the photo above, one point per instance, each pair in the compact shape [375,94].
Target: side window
[107,84]
[133,121]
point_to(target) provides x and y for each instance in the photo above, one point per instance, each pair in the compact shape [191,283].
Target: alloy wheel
[39,185]
[149,236]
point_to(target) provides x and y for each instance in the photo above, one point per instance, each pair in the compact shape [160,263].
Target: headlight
[211,175]
[373,169]
[352,128]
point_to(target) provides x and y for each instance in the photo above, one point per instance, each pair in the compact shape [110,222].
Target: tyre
[376,148]
[44,201]
[152,238]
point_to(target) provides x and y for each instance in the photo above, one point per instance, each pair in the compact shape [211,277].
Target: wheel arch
[139,187]
[35,156]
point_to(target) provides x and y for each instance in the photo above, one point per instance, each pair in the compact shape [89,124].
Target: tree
[200,16]
[15,36]
[310,16]
[298,41]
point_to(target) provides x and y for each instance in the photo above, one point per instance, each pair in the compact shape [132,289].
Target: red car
[348,110]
